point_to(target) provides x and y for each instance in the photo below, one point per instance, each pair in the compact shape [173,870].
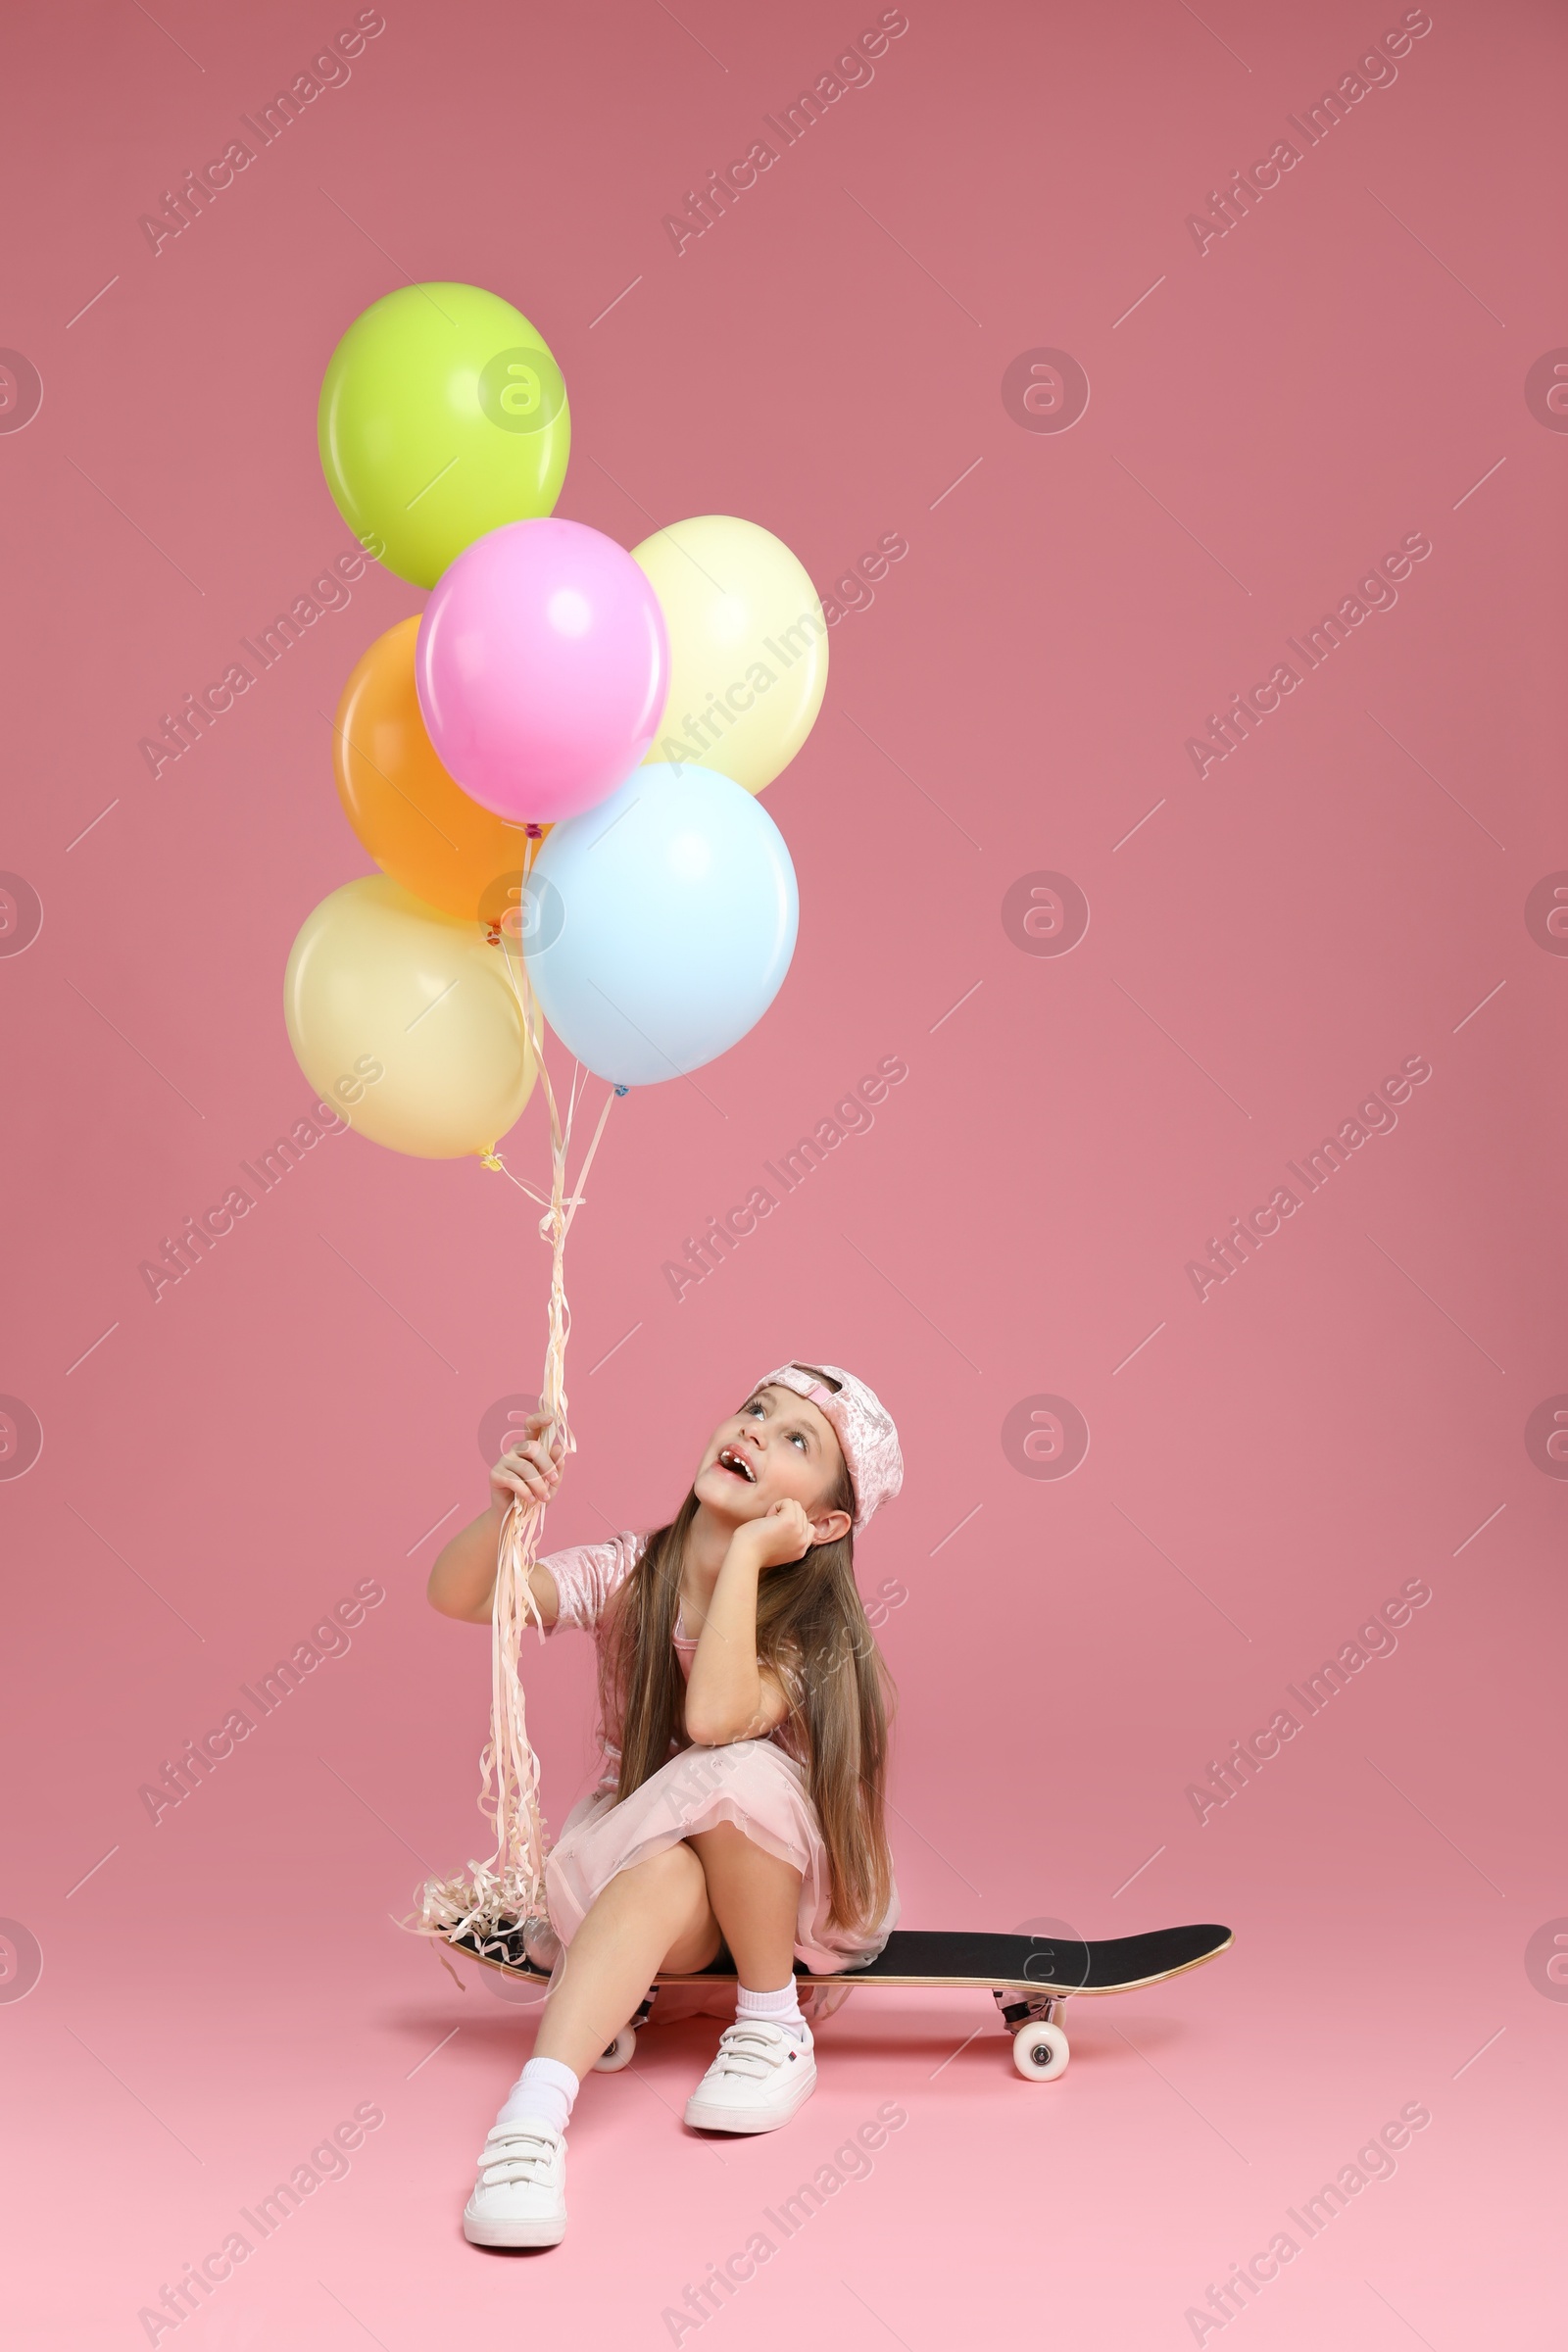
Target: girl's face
[779,1447]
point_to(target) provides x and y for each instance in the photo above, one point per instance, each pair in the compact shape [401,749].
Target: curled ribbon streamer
[506,1892]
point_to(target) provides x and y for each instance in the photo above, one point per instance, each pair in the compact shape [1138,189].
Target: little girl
[743,1727]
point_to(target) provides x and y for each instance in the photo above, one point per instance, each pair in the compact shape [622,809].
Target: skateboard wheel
[621,2052]
[1040,2052]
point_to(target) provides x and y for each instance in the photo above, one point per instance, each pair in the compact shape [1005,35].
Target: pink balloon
[541,667]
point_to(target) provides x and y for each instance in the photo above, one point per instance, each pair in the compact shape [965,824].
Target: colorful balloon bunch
[555,766]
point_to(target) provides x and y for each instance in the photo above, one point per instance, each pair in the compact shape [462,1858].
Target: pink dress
[761,1785]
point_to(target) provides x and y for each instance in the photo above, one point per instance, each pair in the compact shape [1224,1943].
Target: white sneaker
[519,2198]
[761,2075]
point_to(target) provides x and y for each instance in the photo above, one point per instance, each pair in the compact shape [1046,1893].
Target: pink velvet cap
[863,1427]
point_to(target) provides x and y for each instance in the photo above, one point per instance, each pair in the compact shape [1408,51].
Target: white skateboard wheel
[1040,2052]
[621,2052]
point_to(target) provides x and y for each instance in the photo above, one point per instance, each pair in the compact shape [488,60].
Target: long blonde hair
[813,1633]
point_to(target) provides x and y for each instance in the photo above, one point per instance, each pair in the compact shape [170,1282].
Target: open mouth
[736,1464]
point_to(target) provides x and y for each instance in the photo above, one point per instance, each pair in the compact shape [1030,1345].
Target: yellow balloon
[406,1022]
[747,647]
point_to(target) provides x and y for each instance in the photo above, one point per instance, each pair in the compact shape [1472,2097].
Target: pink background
[1265,421]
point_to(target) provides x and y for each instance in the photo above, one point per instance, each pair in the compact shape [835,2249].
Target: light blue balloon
[657,927]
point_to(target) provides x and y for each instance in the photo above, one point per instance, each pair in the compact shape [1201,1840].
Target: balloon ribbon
[506,1891]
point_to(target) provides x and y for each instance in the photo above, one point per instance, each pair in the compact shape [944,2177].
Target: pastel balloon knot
[620,1090]
[492,1159]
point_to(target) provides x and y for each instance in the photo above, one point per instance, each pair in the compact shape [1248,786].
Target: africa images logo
[521,390]
[1044,390]
[1045,1437]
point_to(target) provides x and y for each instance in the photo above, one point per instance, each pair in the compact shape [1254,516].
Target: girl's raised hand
[783,1533]
[528,1471]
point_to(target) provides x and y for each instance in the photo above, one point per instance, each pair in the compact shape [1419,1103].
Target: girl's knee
[676,1869]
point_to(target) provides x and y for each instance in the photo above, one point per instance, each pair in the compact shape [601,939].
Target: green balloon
[443,413]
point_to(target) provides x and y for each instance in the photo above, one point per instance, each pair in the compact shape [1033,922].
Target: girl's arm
[463,1581]
[730,1695]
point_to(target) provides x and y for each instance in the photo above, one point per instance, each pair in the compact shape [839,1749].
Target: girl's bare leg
[653,1915]
[755,1899]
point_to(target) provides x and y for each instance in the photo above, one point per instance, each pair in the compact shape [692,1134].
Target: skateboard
[1031,1978]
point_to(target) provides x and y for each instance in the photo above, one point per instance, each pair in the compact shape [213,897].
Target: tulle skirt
[754,1785]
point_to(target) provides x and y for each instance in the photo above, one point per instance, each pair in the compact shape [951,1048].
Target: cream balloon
[747,647]
[405,1020]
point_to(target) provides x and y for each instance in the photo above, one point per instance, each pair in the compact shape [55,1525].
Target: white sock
[782,2008]
[545,2088]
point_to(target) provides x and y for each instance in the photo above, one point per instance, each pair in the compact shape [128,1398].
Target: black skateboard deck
[1029,1975]
[937,1956]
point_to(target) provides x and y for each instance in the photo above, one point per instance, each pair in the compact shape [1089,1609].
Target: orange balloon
[418,825]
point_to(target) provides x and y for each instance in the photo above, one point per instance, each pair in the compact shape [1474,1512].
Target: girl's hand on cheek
[528,1472]
[780,1537]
